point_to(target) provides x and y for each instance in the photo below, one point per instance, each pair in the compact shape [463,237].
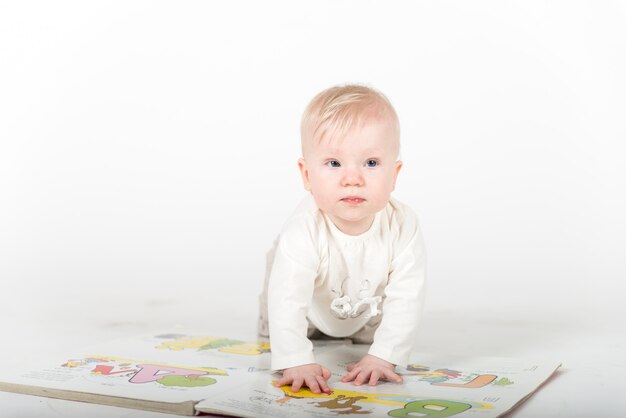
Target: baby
[350,261]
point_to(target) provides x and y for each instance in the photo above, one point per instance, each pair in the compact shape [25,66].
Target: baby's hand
[372,368]
[312,375]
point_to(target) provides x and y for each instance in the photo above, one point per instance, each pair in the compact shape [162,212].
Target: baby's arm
[371,368]
[312,375]
[402,306]
[290,289]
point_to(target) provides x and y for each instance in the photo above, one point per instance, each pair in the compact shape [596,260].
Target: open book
[189,374]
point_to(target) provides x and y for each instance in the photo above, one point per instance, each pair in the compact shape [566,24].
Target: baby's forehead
[374,137]
[349,142]
[348,146]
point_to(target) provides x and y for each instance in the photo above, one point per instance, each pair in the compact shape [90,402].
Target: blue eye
[371,163]
[333,164]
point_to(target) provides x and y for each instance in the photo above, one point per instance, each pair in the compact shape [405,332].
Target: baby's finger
[392,376]
[350,376]
[350,367]
[362,377]
[311,382]
[297,384]
[325,373]
[323,385]
[374,378]
[282,381]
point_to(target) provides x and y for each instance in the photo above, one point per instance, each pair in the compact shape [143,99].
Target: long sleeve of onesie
[404,296]
[290,291]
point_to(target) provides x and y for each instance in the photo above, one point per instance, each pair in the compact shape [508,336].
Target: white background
[148,159]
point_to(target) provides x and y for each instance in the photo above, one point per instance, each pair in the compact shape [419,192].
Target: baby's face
[351,178]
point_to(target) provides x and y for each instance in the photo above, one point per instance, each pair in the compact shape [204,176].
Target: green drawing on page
[503,382]
[430,408]
[186,381]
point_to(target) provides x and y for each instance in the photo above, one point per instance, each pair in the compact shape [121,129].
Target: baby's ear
[304,172]
[396,171]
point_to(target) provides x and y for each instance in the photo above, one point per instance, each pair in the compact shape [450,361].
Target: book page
[190,373]
[165,372]
[434,387]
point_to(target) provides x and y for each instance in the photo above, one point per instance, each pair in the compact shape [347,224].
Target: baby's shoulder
[306,222]
[402,222]
[302,233]
[400,215]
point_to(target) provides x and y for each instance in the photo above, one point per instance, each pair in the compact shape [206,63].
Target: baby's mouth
[353,200]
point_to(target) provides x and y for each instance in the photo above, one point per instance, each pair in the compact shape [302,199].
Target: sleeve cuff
[399,358]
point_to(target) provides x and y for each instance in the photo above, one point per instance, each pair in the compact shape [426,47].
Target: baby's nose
[352,178]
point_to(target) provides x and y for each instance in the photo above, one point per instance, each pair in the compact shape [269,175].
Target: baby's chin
[362,209]
[353,219]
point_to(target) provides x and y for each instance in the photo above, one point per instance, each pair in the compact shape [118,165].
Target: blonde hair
[336,110]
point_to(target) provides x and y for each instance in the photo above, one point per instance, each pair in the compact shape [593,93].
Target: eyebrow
[368,153]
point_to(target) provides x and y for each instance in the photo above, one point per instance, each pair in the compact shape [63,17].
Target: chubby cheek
[380,199]
[320,180]
[323,197]
[322,190]
[380,192]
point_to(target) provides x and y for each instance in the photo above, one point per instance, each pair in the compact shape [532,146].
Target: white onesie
[318,276]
